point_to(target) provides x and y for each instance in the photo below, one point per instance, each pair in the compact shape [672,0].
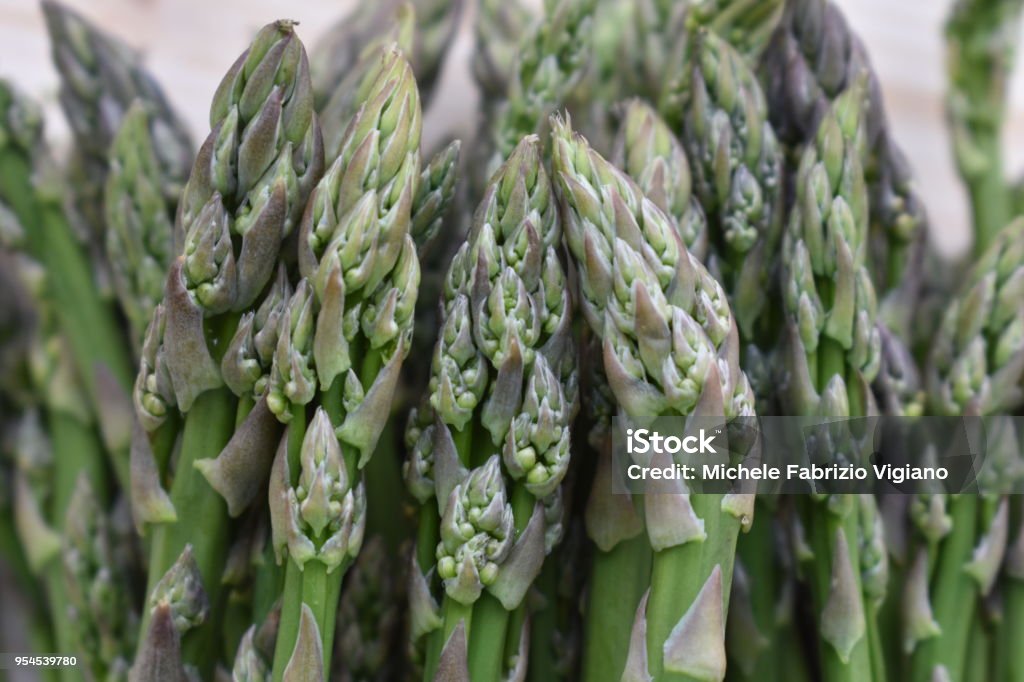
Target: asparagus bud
[650,154]
[321,517]
[978,358]
[476,533]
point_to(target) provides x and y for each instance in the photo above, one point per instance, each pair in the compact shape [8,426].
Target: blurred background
[190,43]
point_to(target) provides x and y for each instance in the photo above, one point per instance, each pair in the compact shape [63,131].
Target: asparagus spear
[99,608]
[49,437]
[138,202]
[550,63]
[100,79]
[434,195]
[975,368]
[746,25]
[833,349]
[497,31]
[981,38]
[86,322]
[352,37]
[812,59]
[636,278]
[502,393]
[977,359]
[652,43]
[737,175]
[1013,595]
[76,449]
[346,334]
[178,604]
[244,195]
[648,152]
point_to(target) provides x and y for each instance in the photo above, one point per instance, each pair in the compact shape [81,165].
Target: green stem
[452,613]
[978,650]
[268,585]
[618,581]
[487,646]
[64,637]
[543,625]
[88,323]
[291,600]
[490,619]
[77,451]
[876,646]
[320,591]
[823,527]
[384,488]
[426,536]
[990,196]
[675,582]
[953,595]
[32,607]
[890,620]
[202,516]
[163,441]
[831,362]
[288,628]
[314,595]
[1012,631]
[679,573]
[758,553]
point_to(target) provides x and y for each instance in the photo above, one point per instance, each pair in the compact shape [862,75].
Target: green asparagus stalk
[352,37]
[1013,601]
[813,58]
[652,44]
[828,294]
[100,79]
[71,456]
[977,359]
[648,152]
[243,197]
[18,574]
[99,606]
[975,368]
[502,396]
[622,563]
[497,30]
[550,63]
[981,38]
[138,203]
[348,94]
[369,619]
[636,278]
[347,331]
[833,351]
[178,604]
[745,24]
[434,195]
[713,100]
[86,322]
[737,176]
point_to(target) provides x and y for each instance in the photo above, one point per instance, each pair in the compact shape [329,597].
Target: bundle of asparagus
[691,210]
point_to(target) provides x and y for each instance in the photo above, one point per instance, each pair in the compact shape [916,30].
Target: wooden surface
[189,43]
